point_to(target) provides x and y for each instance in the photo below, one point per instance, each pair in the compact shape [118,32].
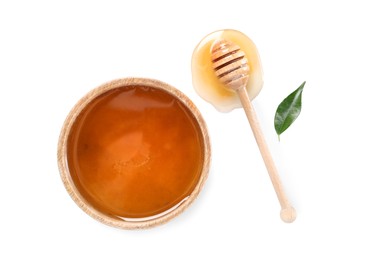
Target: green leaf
[288,110]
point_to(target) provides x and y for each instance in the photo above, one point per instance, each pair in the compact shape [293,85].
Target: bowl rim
[62,153]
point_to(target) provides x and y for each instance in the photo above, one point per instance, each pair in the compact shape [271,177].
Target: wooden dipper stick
[232,69]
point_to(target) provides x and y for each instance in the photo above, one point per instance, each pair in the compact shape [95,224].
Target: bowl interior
[134,153]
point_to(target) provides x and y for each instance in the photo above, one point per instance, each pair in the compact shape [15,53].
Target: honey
[135,152]
[205,81]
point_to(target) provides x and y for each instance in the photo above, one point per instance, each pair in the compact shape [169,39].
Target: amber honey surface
[135,152]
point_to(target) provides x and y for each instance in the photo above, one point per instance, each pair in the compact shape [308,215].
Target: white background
[52,53]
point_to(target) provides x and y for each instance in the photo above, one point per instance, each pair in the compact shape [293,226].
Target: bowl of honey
[133,153]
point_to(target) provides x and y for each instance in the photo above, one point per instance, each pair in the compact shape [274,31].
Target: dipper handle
[288,213]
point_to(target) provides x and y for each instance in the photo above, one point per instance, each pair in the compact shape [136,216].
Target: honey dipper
[232,68]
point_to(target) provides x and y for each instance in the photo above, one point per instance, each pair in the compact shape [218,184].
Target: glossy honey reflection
[135,152]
